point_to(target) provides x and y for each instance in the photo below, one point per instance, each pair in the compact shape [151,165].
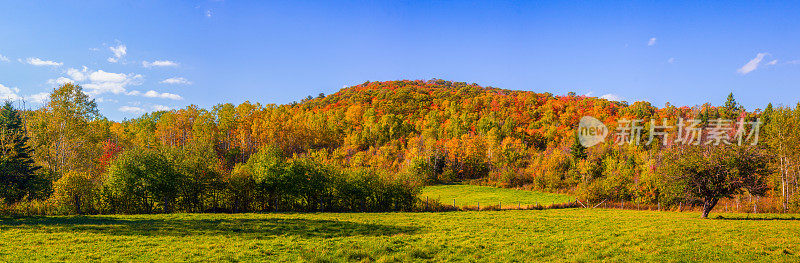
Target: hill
[410,133]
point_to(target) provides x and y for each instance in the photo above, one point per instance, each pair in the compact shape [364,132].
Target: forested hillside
[366,148]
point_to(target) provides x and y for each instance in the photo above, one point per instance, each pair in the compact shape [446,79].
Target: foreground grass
[516,235]
[471,195]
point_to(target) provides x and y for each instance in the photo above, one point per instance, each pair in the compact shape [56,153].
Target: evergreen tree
[577,149]
[17,168]
[704,115]
[765,116]
[730,110]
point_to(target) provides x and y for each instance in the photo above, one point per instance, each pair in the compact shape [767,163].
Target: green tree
[577,149]
[766,116]
[142,180]
[709,173]
[75,193]
[17,167]
[730,110]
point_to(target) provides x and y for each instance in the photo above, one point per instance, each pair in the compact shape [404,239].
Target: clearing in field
[574,234]
[471,195]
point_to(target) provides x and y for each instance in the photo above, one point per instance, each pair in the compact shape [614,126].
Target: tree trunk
[77,200]
[708,205]
[784,198]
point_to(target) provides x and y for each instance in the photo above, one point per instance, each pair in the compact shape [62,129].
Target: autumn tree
[62,132]
[781,135]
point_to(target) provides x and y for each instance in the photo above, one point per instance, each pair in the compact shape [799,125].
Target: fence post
[479,206]
[755,206]
[426,203]
[737,203]
[500,205]
[454,202]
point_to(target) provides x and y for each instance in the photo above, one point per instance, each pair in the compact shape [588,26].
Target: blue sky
[140,56]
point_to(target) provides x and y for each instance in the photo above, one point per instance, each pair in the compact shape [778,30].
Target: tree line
[365,148]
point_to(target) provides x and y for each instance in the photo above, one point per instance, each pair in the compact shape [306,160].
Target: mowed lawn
[472,195]
[575,234]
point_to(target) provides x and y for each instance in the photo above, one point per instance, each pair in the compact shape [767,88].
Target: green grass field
[471,195]
[575,234]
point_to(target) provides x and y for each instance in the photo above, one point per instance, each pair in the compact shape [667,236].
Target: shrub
[75,193]
[270,181]
[159,180]
[240,189]
[365,190]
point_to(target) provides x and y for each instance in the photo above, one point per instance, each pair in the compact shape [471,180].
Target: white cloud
[102,76]
[7,93]
[99,82]
[773,62]
[12,94]
[165,95]
[671,60]
[176,80]
[39,97]
[159,63]
[161,108]
[131,109]
[651,42]
[60,81]
[3,58]
[611,97]
[78,75]
[208,13]
[119,52]
[752,64]
[106,82]
[101,99]
[40,62]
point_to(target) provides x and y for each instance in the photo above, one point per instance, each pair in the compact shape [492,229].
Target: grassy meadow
[472,195]
[575,235]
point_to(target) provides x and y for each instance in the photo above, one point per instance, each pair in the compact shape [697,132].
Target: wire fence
[731,205]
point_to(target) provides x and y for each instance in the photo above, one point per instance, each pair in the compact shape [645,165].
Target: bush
[280,183]
[159,180]
[365,190]
[241,189]
[75,193]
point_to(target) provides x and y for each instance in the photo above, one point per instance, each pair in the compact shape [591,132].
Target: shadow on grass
[255,228]
[758,218]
